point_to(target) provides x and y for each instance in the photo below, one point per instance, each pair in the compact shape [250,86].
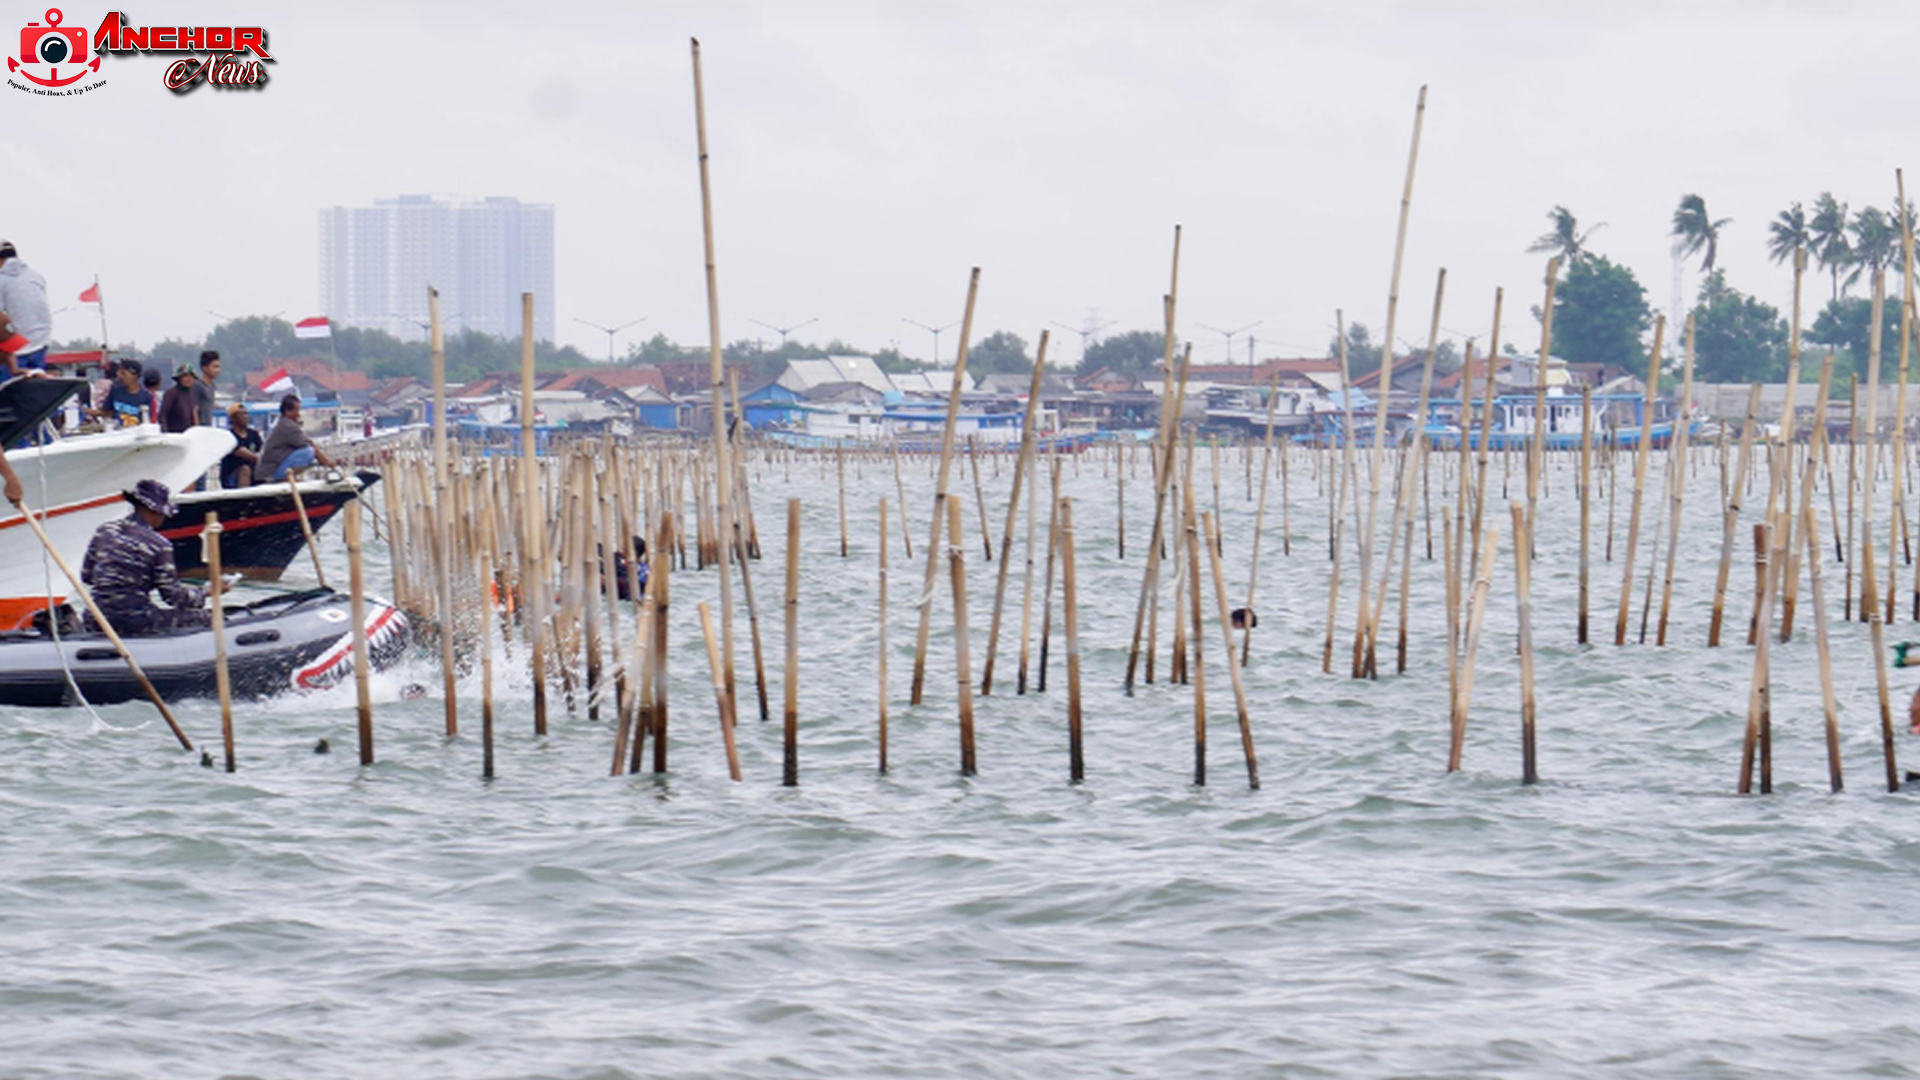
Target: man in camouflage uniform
[128,560]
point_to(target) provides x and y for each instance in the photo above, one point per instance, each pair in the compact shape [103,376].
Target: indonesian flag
[312,328]
[279,382]
[92,295]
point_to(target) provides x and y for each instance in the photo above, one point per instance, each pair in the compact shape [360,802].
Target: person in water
[129,560]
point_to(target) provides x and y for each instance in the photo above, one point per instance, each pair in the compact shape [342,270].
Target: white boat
[73,485]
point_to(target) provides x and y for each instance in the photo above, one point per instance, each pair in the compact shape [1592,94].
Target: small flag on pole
[92,295]
[316,327]
[279,382]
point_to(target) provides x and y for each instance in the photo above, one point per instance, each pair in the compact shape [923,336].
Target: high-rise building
[376,263]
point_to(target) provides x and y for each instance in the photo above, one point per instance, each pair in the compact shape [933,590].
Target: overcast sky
[866,155]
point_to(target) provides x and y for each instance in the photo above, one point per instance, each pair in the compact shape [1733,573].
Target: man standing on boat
[23,300]
[203,391]
[129,560]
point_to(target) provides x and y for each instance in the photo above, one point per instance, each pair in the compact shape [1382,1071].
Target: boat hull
[260,533]
[293,641]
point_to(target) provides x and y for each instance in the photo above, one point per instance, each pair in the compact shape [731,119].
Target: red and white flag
[91,295]
[278,382]
[313,328]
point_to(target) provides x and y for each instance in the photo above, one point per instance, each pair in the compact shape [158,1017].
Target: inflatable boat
[288,641]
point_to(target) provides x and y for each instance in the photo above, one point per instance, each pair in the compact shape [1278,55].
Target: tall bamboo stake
[1470,652]
[486,666]
[1876,628]
[1731,516]
[1233,670]
[1537,447]
[533,592]
[1677,481]
[1026,590]
[962,636]
[1199,671]
[720,701]
[1641,454]
[1070,608]
[1586,503]
[790,757]
[723,476]
[1168,447]
[1368,626]
[443,561]
[1522,594]
[925,602]
[216,602]
[1259,522]
[1029,428]
[1046,593]
[882,674]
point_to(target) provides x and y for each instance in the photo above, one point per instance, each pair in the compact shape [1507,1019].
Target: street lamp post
[783,331]
[1087,333]
[609,330]
[1231,334]
[936,331]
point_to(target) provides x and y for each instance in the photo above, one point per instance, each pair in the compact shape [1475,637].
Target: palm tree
[1565,238]
[1828,233]
[1876,242]
[1695,231]
[1788,234]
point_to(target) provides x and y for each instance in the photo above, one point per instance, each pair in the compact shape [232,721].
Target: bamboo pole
[661,575]
[1677,480]
[1233,670]
[723,476]
[1028,430]
[1199,668]
[1070,608]
[1789,427]
[1026,588]
[1641,455]
[1470,652]
[790,757]
[1367,626]
[1523,601]
[1342,481]
[980,496]
[900,492]
[443,531]
[882,677]
[840,470]
[720,701]
[1046,593]
[216,602]
[1876,627]
[1759,688]
[1259,522]
[1168,450]
[940,494]
[1586,504]
[486,666]
[962,636]
[306,529]
[1731,517]
[1537,451]
[533,586]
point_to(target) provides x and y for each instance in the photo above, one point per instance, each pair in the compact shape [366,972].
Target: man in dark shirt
[288,446]
[203,390]
[236,469]
[129,560]
[127,402]
[178,409]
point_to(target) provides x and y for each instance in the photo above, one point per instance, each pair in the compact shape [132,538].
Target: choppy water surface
[1364,914]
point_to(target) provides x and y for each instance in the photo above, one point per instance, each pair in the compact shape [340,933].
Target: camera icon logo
[53,47]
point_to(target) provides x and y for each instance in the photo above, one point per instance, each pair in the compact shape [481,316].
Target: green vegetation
[1135,352]
[1599,314]
[1736,337]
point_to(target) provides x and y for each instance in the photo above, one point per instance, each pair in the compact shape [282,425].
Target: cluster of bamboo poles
[544,543]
